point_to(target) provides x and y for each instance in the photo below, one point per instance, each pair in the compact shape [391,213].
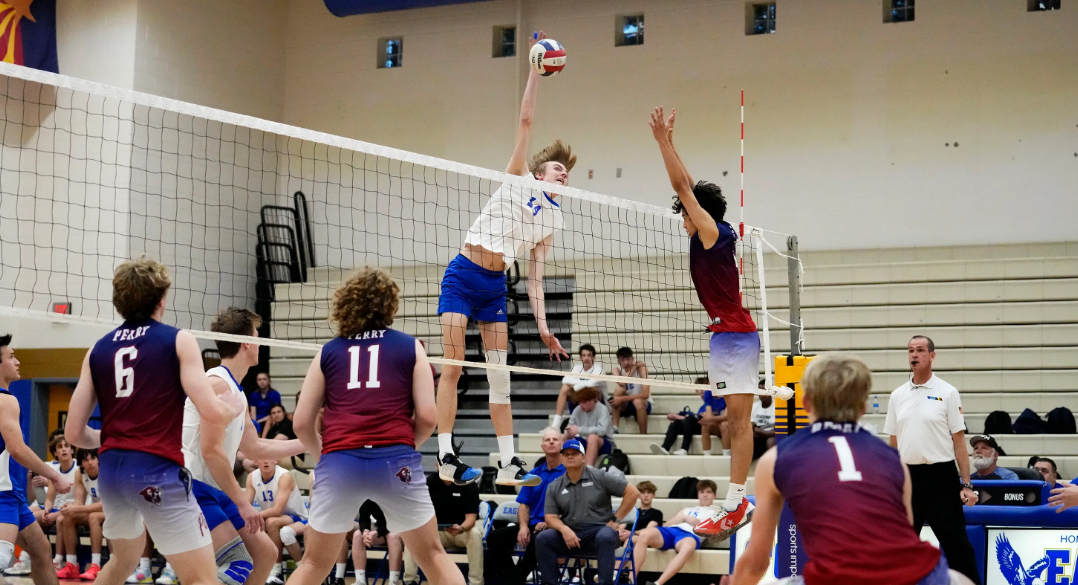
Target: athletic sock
[727,452]
[72,559]
[95,559]
[557,422]
[340,570]
[277,567]
[361,576]
[394,577]
[144,565]
[56,560]
[506,449]
[445,444]
[24,557]
[734,496]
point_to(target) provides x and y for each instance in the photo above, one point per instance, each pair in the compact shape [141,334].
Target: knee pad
[498,380]
[288,536]
[7,552]
[234,563]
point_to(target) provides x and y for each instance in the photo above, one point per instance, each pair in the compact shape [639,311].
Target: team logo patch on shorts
[720,386]
[152,494]
[405,474]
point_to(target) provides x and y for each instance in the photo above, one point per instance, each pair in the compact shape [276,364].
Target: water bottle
[875,404]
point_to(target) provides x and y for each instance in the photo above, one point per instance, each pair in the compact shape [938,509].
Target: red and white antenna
[741,226]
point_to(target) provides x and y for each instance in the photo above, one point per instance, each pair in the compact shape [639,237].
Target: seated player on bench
[87,510]
[677,534]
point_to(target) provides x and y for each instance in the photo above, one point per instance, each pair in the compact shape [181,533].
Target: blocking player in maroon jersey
[141,373]
[844,485]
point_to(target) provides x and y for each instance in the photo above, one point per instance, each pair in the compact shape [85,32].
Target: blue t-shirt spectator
[717,403]
[262,403]
[998,473]
[535,496]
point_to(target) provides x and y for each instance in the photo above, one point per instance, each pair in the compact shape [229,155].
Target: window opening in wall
[898,10]
[1043,5]
[761,19]
[504,42]
[390,51]
[629,30]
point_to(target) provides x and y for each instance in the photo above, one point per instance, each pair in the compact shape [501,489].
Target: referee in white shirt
[924,419]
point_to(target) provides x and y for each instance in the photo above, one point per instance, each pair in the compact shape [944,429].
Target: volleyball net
[271,217]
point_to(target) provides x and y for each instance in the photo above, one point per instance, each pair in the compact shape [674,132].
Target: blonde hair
[366,301]
[837,385]
[138,287]
[557,152]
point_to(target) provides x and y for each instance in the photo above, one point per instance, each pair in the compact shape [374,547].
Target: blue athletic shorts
[15,511]
[629,410]
[297,518]
[216,506]
[470,289]
[734,363]
[673,535]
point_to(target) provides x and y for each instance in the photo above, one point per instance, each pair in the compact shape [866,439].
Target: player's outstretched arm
[537,298]
[258,448]
[662,128]
[426,412]
[216,410]
[311,396]
[518,162]
[753,563]
[11,431]
[79,411]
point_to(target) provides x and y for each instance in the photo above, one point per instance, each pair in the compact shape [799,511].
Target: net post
[768,378]
[793,264]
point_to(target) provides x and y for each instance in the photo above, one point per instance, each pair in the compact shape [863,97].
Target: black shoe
[450,468]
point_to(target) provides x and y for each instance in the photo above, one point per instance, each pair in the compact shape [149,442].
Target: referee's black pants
[937,499]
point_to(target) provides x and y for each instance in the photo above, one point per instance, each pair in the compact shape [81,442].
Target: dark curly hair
[710,197]
[364,302]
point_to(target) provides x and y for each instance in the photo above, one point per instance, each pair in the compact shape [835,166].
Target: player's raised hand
[535,38]
[662,128]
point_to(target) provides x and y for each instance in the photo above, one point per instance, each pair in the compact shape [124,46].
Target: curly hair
[557,152]
[710,197]
[368,300]
[138,287]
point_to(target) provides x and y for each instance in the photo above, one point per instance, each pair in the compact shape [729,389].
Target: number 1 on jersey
[372,368]
[847,469]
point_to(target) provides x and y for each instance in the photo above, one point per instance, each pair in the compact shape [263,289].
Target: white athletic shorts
[390,476]
[734,365]
[139,488]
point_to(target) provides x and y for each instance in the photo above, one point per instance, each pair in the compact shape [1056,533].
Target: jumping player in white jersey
[140,374]
[735,342]
[280,504]
[17,523]
[377,389]
[513,223]
[244,552]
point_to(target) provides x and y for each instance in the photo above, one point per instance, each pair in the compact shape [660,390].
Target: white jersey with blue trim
[267,492]
[59,499]
[514,221]
[700,512]
[93,493]
[192,431]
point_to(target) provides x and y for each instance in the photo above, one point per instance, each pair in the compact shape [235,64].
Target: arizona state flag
[28,33]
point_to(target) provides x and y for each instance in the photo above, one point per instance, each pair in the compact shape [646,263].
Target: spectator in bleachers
[1048,469]
[646,516]
[262,399]
[457,510]
[677,534]
[590,423]
[571,384]
[689,425]
[49,512]
[763,424]
[986,452]
[530,516]
[631,399]
[373,532]
[580,515]
[86,510]
[278,426]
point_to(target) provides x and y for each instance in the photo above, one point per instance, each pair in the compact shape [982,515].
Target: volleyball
[547,57]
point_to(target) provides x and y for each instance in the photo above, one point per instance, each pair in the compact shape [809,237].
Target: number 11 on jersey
[372,368]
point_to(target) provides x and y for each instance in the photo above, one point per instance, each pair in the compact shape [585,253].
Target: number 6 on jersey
[125,377]
[372,368]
